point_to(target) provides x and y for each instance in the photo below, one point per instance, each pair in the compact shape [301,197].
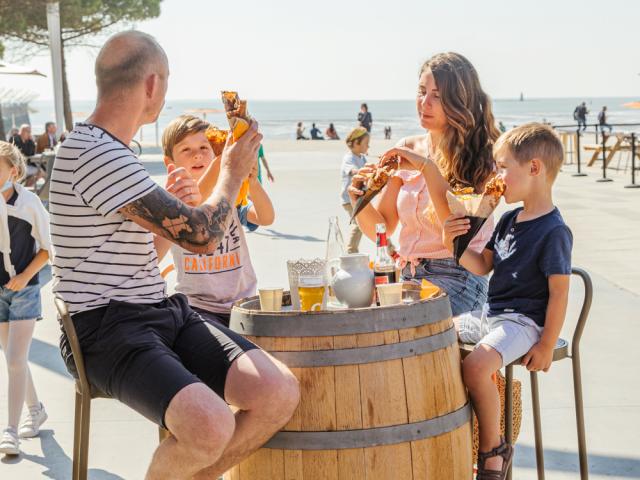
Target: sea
[278,119]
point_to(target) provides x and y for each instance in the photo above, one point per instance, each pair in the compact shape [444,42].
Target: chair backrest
[586,306]
[70,332]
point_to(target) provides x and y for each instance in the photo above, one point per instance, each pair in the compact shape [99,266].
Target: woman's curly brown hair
[465,151]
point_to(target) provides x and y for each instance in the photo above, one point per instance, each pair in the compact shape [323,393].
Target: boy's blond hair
[356,136]
[179,128]
[10,153]
[533,140]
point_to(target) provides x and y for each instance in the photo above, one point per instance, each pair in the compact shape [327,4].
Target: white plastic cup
[389,293]
[270,299]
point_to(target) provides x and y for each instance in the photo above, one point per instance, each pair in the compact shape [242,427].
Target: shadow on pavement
[55,460]
[567,461]
[48,356]
[268,232]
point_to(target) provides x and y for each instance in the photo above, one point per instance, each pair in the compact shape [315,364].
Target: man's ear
[150,84]
[536,167]
[167,161]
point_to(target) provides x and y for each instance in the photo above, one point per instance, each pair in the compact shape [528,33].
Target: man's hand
[538,358]
[239,157]
[18,282]
[453,227]
[181,185]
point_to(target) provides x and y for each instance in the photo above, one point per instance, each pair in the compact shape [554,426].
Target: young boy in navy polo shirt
[530,255]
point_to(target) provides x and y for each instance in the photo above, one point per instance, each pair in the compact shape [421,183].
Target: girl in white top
[25,248]
[212,283]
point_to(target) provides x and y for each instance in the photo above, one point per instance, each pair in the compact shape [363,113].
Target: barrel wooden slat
[292,464]
[389,461]
[320,464]
[404,407]
[351,462]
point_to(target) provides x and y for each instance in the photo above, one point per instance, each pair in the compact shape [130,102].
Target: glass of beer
[311,290]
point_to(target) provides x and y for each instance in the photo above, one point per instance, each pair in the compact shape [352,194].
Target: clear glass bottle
[335,249]
[384,270]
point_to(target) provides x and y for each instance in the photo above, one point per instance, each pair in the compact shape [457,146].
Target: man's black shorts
[144,354]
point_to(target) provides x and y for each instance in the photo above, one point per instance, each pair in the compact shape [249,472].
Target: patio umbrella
[10,69]
[204,111]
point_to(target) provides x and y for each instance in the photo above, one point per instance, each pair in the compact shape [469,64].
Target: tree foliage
[23,23]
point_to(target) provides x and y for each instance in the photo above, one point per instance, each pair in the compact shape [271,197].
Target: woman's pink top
[421,230]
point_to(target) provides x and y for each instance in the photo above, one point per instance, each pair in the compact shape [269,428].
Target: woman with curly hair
[455,151]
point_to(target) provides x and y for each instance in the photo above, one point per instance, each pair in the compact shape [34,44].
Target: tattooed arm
[199,229]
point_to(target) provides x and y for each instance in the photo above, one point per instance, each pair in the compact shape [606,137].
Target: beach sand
[606,226]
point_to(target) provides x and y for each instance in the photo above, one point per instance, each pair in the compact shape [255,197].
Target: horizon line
[517,99]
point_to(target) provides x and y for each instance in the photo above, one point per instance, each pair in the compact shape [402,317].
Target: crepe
[217,139]
[239,121]
[236,111]
[476,207]
[374,183]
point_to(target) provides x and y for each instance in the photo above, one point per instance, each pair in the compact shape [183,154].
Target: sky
[373,50]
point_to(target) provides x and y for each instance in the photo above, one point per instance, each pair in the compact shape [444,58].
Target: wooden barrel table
[381,394]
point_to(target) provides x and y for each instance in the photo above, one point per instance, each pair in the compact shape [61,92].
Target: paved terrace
[606,225]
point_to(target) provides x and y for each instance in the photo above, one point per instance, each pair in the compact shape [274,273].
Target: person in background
[263,159]
[315,133]
[25,248]
[501,127]
[300,132]
[580,115]
[387,133]
[331,133]
[14,131]
[47,141]
[358,143]
[364,117]
[24,141]
[602,120]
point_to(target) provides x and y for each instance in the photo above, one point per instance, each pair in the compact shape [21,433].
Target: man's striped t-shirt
[99,255]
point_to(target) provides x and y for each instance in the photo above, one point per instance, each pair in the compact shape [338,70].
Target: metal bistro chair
[84,394]
[561,351]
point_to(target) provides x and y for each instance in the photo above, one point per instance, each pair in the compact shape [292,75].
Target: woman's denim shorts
[466,291]
[22,305]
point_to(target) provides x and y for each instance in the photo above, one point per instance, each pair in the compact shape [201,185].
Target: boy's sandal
[505,451]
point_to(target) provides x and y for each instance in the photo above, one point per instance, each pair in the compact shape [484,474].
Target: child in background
[211,282]
[25,246]
[530,255]
[358,144]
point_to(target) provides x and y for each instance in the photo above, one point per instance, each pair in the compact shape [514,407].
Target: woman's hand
[18,282]
[415,160]
[359,180]
[182,186]
[453,227]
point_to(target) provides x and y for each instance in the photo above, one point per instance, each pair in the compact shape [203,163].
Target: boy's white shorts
[511,334]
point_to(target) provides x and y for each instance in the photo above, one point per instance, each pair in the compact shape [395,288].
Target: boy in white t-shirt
[213,282]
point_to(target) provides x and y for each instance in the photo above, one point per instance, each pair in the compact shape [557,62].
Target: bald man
[150,351]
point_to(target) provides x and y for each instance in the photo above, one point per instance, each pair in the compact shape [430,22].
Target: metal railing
[581,129]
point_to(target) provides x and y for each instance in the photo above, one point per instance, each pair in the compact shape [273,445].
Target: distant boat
[521,97]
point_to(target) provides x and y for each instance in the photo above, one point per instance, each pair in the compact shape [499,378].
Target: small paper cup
[389,293]
[270,299]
